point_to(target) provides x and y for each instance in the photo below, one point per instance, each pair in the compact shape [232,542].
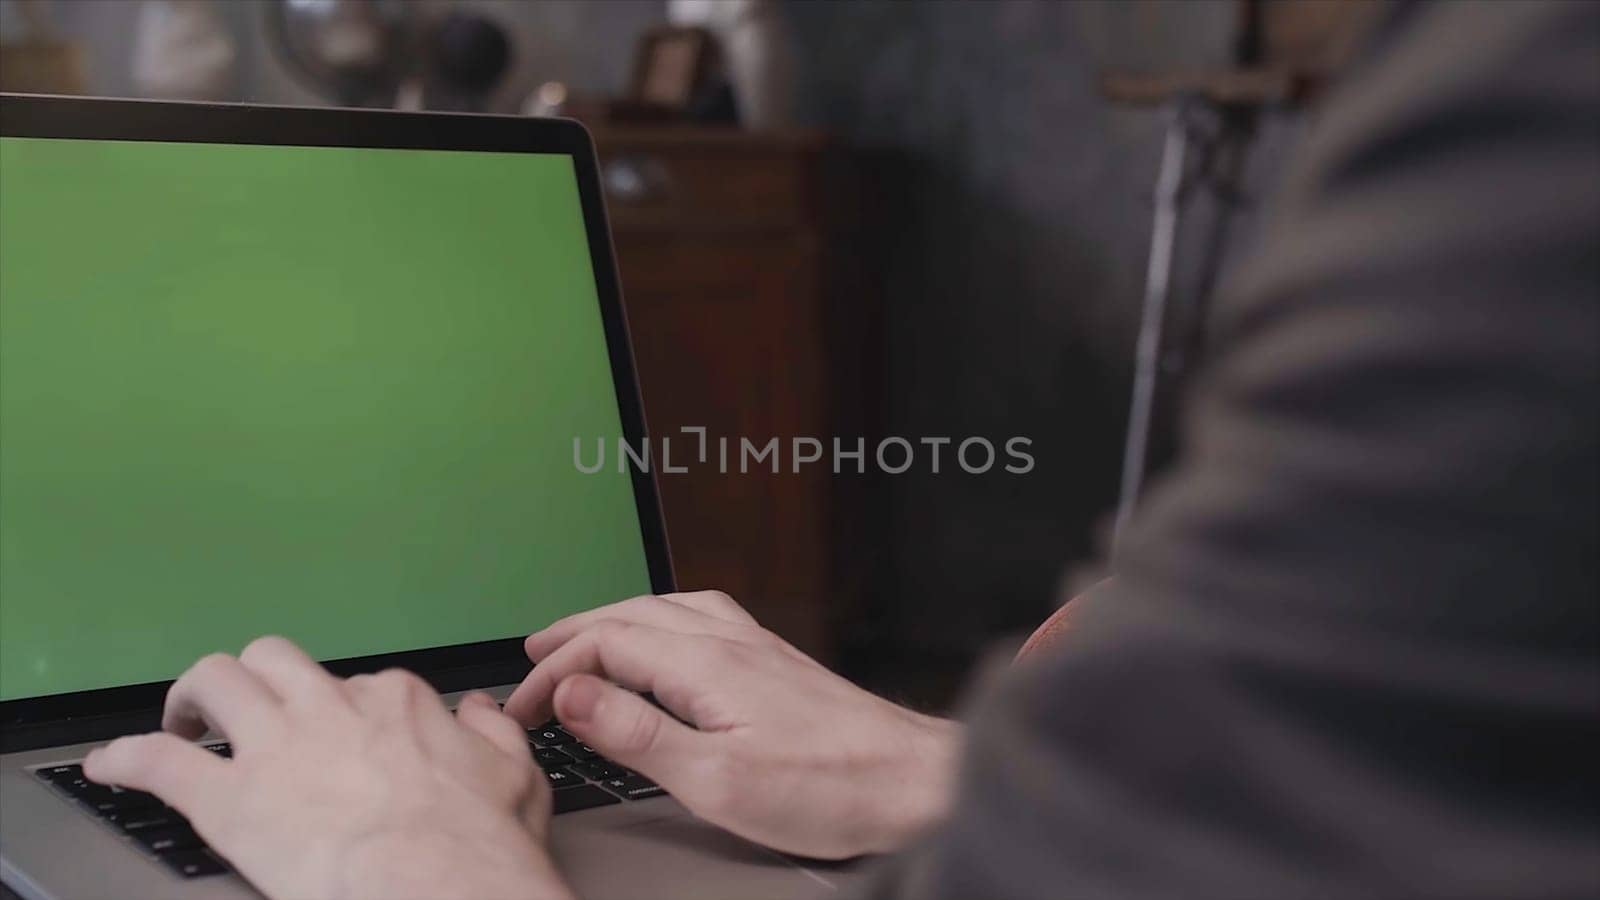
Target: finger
[626,728]
[220,693]
[669,664]
[288,671]
[697,612]
[397,694]
[713,603]
[406,707]
[640,657]
[535,808]
[478,712]
[187,777]
[658,612]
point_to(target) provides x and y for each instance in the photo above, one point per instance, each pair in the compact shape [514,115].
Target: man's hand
[343,789]
[777,749]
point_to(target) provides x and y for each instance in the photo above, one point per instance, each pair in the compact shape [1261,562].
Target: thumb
[628,729]
[478,712]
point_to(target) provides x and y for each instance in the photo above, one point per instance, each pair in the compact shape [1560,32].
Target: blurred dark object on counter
[467,55]
[743,257]
[41,62]
[679,74]
[678,77]
[355,52]
[672,65]
[392,52]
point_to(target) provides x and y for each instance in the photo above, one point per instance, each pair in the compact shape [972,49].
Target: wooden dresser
[741,259]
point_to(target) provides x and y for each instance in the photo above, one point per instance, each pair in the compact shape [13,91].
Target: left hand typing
[366,787]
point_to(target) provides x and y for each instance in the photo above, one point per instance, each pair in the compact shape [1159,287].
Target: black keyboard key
[224,749]
[547,757]
[580,751]
[108,807]
[590,770]
[148,820]
[600,771]
[614,766]
[167,840]
[194,863]
[560,778]
[83,788]
[59,774]
[105,800]
[555,736]
[634,787]
[101,796]
[124,799]
[100,799]
[573,799]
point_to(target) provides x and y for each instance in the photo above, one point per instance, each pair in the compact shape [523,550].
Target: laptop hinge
[16,738]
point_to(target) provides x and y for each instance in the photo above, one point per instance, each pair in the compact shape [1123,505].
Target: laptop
[316,373]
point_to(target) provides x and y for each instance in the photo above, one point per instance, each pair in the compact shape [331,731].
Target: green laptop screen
[327,393]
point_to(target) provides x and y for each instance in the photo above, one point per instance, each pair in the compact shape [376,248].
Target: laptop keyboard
[579,778]
[154,827]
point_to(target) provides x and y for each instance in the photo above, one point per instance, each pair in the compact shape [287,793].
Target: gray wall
[1015,279]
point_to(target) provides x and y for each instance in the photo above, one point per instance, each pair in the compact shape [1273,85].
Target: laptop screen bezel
[448,668]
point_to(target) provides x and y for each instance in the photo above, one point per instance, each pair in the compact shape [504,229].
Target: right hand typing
[778,750]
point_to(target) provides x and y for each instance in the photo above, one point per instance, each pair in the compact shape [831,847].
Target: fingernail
[577,698]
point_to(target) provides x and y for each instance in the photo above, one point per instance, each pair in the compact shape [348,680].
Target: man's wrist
[926,796]
[508,864]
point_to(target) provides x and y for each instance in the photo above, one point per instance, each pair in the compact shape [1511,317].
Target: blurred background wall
[1013,285]
[1018,205]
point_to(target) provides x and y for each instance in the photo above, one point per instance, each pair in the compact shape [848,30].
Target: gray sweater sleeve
[1351,647]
